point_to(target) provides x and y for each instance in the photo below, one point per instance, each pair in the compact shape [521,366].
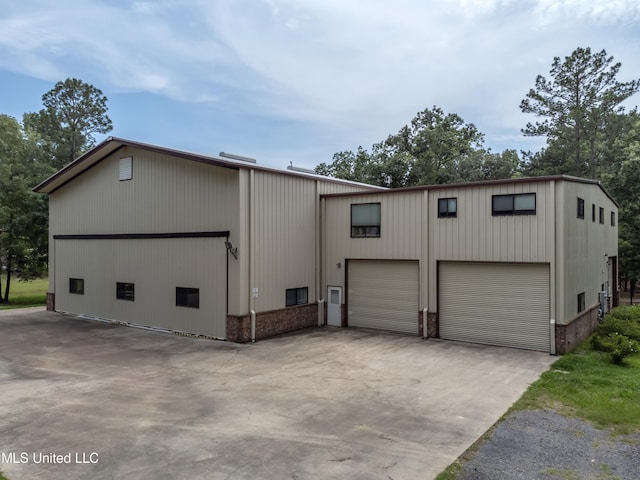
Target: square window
[188,297]
[602,215]
[515,204]
[580,208]
[125,291]
[297,296]
[76,285]
[447,207]
[365,220]
[613,219]
[125,171]
[581,305]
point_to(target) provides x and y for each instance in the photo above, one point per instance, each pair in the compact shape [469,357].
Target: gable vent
[126,168]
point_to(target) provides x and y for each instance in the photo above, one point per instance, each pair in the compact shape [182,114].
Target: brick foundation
[570,336]
[51,301]
[432,324]
[272,323]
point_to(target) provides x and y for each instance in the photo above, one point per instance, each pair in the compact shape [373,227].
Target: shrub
[619,333]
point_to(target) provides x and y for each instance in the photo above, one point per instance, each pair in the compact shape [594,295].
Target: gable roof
[113,144]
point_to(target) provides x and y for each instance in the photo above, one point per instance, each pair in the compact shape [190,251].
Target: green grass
[25,294]
[584,384]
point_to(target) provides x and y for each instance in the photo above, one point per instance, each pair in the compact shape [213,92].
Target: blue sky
[296,81]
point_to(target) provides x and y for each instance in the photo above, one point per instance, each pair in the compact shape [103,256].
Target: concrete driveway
[85,399]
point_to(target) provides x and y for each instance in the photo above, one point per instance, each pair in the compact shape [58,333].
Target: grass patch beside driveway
[582,386]
[25,294]
[586,384]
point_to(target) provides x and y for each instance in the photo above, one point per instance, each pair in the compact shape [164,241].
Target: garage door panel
[383,295]
[495,304]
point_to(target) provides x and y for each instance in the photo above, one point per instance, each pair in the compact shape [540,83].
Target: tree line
[578,109]
[30,151]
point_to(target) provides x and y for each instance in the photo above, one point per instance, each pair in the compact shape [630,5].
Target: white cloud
[362,68]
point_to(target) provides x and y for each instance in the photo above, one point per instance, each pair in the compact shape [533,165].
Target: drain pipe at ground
[425,332]
[253,326]
[321,312]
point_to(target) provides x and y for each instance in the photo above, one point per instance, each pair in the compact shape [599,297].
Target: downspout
[318,252]
[555,272]
[425,331]
[251,229]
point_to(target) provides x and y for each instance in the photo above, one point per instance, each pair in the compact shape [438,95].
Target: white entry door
[334,313]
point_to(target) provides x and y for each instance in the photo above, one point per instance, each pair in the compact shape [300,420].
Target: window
[516,204]
[580,208]
[188,297]
[125,291]
[602,215]
[126,168]
[581,302]
[76,285]
[447,207]
[593,212]
[297,296]
[613,219]
[365,220]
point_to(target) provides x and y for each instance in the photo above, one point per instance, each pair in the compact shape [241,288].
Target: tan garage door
[383,295]
[495,304]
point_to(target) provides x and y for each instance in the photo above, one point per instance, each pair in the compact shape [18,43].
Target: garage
[503,304]
[383,295]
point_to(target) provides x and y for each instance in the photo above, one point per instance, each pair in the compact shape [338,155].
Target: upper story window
[581,208]
[447,207]
[613,219]
[126,168]
[514,204]
[365,220]
[602,215]
[593,212]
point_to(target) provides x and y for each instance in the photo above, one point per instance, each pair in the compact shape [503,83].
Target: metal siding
[284,236]
[156,267]
[584,242]
[402,224]
[477,236]
[384,295]
[166,194]
[495,304]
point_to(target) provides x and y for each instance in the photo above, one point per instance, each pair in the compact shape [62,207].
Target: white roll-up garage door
[383,295]
[495,304]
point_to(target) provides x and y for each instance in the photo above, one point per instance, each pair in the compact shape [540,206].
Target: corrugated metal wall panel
[495,304]
[166,194]
[475,235]
[384,295]
[285,236]
[156,267]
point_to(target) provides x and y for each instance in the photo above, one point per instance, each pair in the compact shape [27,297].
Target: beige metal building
[228,249]
[171,240]
[519,263]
